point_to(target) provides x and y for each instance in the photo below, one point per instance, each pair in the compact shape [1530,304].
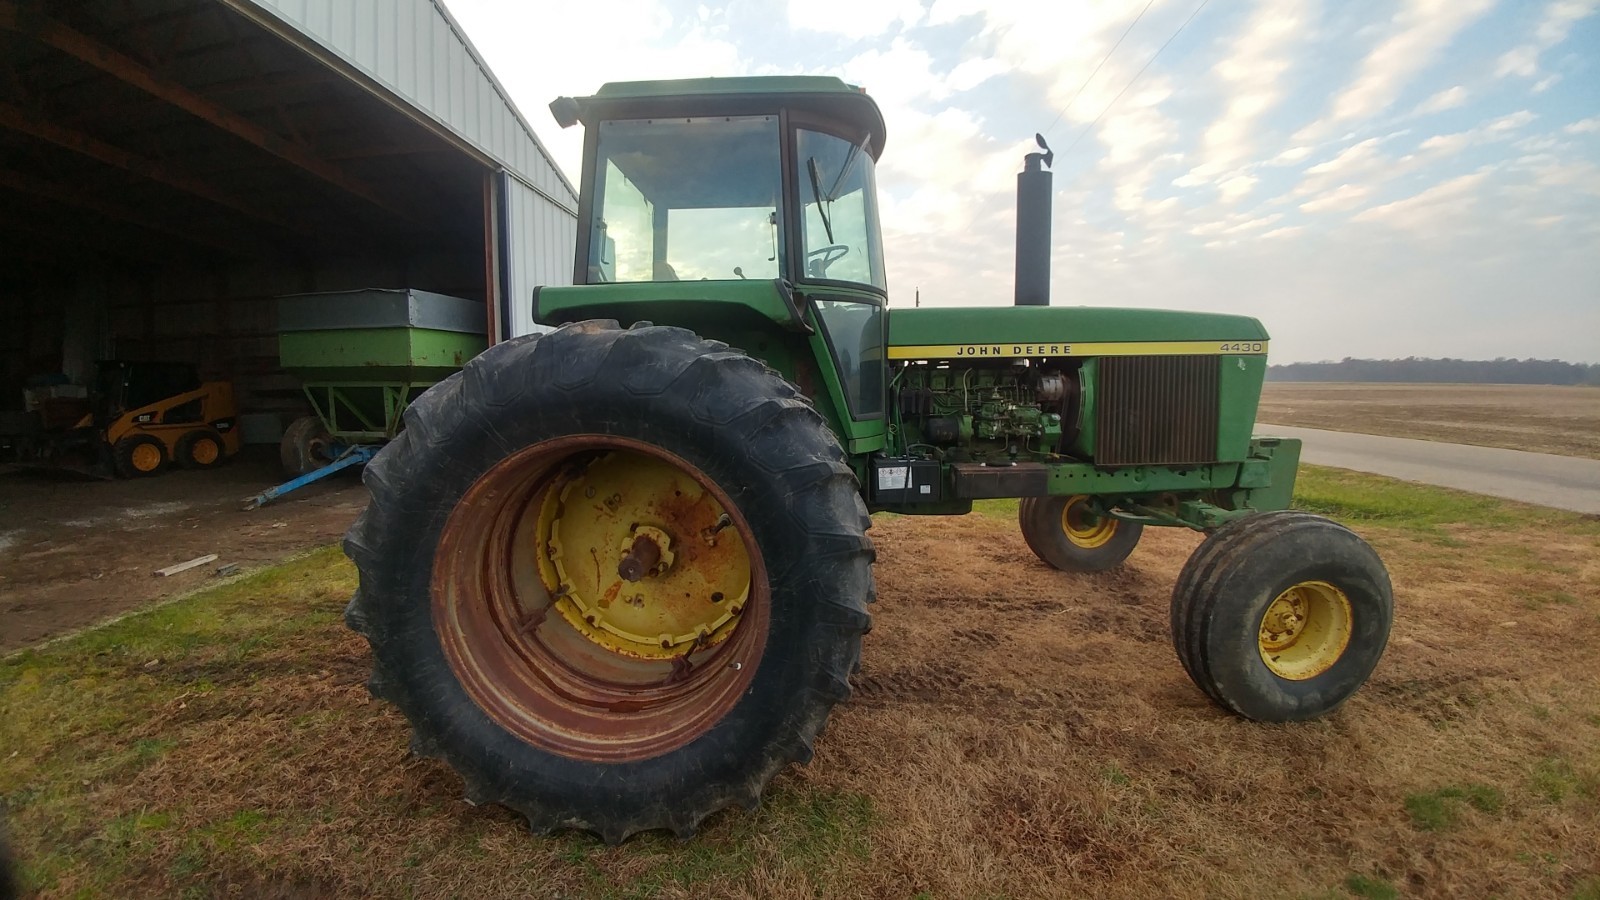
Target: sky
[1370,179]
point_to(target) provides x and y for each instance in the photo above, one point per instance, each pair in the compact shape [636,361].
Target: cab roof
[824,96]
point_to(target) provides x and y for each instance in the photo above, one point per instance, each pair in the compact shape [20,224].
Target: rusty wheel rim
[529,641]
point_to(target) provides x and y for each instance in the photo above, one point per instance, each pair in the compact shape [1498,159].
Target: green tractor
[617,575]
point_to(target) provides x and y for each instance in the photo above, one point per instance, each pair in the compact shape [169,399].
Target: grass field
[1543,418]
[1015,732]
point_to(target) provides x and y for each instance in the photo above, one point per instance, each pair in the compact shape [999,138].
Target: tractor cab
[727,179]
[732,197]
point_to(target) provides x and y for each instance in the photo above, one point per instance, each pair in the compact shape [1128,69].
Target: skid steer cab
[617,575]
[150,416]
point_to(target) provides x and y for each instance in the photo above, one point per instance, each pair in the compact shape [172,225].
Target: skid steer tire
[523,437]
[1061,532]
[1281,616]
[201,449]
[139,456]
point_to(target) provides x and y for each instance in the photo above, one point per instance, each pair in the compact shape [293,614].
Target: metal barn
[168,167]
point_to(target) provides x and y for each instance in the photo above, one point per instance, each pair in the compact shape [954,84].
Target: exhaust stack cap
[1034,201]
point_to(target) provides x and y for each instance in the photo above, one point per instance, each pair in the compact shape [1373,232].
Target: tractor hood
[1053,331]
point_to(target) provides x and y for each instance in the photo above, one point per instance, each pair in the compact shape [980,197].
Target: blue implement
[355,455]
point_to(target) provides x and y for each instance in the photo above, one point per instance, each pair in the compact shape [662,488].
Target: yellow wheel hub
[1305,630]
[204,451]
[146,457]
[640,558]
[1084,527]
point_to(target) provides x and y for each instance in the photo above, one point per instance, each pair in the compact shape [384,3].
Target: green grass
[1441,809]
[1371,499]
[1371,888]
[1553,779]
[87,715]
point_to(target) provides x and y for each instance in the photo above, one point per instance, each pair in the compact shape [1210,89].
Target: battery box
[900,482]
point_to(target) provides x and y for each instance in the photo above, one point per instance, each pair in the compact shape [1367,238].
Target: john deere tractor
[617,575]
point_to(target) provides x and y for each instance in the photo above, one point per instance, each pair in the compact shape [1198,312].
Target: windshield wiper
[816,191]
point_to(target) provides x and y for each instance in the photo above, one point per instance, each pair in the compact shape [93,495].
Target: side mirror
[566,111]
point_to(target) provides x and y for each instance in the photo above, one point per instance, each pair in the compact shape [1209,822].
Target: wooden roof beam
[86,49]
[19,120]
[55,193]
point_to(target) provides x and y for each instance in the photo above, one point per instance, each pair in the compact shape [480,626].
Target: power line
[1087,128]
[1096,71]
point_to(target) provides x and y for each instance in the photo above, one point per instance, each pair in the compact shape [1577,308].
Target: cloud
[1419,32]
[1553,28]
[1493,130]
[1357,156]
[641,40]
[1252,74]
[1343,197]
[1584,126]
[853,19]
[1446,99]
[1426,211]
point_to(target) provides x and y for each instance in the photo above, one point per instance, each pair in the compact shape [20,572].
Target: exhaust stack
[1034,200]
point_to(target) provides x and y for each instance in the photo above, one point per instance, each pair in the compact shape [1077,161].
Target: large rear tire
[1282,616]
[616,578]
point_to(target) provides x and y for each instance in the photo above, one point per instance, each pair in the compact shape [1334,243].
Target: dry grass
[1543,418]
[1016,732]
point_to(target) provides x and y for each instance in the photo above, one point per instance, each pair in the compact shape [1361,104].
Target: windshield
[839,216]
[686,199]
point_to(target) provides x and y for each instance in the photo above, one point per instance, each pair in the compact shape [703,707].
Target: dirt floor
[74,551]
[1540,418]
[1014,732]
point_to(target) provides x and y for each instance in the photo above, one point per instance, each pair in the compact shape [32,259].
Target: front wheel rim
[600,598]
[1085,528]
[1305,630]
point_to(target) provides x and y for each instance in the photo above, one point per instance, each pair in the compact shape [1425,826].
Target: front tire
[1065,533]
[617,579]
[1282,616]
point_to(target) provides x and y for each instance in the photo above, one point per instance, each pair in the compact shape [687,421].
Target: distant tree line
[1443,371]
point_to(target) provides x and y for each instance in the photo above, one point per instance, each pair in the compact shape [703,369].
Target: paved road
[1563,482]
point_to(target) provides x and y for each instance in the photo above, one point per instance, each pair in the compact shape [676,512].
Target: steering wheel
[818,260]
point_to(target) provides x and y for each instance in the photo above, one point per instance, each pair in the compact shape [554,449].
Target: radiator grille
[1157,410]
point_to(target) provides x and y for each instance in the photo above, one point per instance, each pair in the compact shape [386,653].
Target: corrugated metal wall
[417,51]
[539,241]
